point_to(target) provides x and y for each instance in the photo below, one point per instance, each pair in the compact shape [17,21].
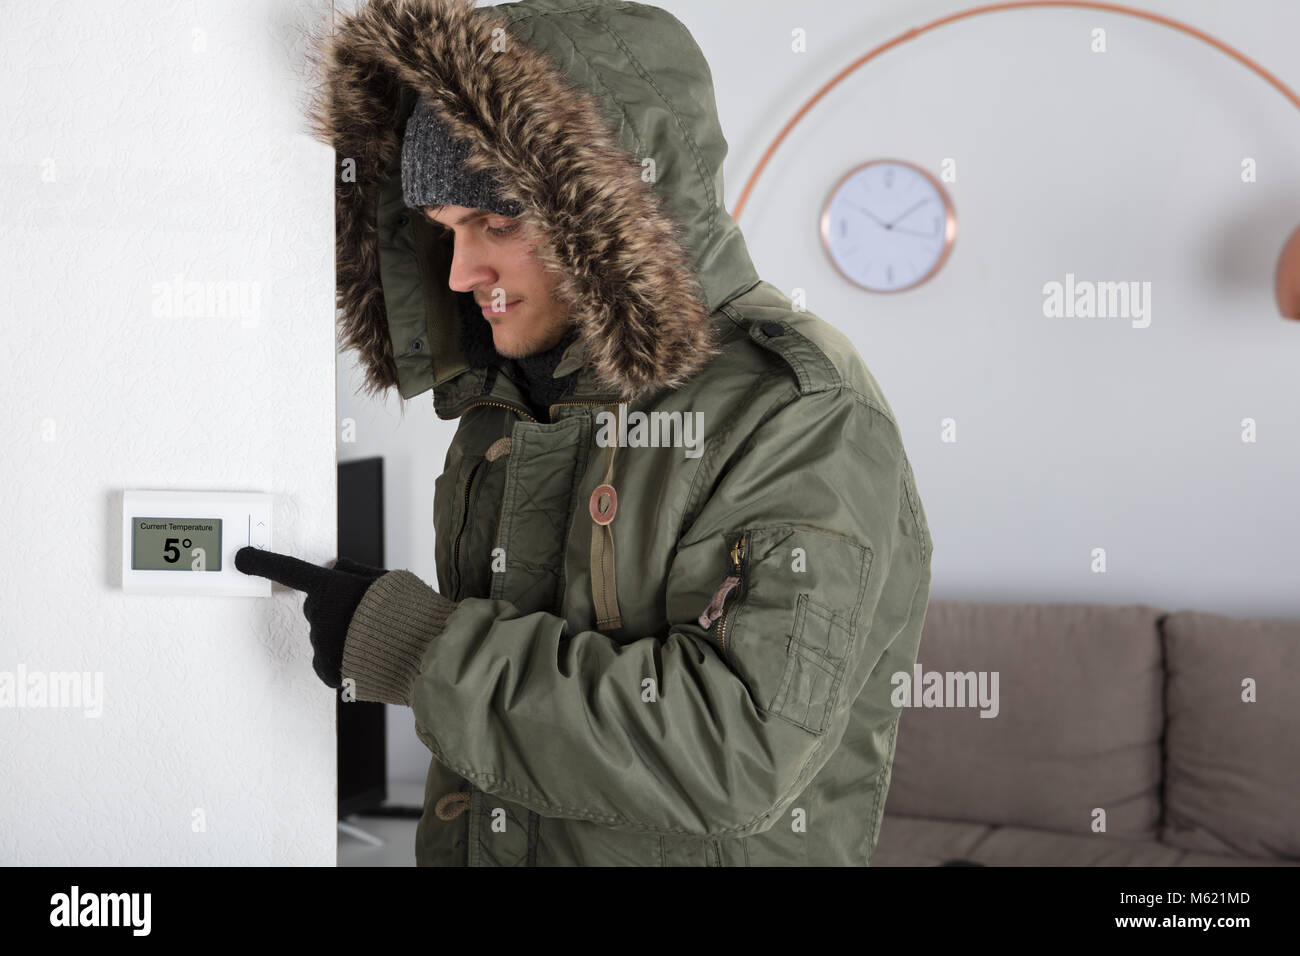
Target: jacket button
[773,329]
[603,504]
[403,219]
[416,345]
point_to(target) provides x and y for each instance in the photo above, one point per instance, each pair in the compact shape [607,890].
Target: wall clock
[888,225]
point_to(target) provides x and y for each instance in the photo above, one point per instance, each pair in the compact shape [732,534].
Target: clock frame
[949,223]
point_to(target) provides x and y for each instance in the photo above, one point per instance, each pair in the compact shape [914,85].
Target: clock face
[888,225]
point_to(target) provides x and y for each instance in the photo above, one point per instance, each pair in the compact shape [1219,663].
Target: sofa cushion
[1213,859]
[1077,726]
[917,841]
[1232,766]
[1022,846]
[1018,846]
[922,841]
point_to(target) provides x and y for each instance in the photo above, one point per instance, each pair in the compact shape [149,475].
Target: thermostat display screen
[176,544]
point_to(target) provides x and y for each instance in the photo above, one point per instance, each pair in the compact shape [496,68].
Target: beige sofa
[1117,736]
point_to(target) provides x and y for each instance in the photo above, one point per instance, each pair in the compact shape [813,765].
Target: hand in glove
[333,594]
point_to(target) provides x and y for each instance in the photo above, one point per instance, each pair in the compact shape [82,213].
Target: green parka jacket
[681,599]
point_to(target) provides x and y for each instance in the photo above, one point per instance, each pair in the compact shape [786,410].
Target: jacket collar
[619,97]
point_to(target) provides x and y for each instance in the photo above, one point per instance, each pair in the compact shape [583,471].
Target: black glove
[333,594]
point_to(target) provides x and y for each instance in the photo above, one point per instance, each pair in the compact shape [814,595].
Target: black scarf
[533,373]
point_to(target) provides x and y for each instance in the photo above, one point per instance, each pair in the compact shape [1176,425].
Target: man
[680,551]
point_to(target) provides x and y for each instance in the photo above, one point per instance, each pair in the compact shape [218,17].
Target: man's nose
[469,270]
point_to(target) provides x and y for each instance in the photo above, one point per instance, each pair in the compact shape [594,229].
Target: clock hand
[911,232]
[868,212]
[906,214]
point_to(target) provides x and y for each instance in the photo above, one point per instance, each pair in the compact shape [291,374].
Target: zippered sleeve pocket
[785,615]
[723,600]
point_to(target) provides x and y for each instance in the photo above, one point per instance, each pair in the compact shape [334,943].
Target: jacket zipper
[736,569]
[514,408]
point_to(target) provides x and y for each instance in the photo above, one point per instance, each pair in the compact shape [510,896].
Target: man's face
[493,259]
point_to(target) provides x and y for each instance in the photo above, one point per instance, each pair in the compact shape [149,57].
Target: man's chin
[509,344]
[509,348]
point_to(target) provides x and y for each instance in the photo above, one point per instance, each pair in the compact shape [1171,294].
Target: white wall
[142,142]
[1072,434]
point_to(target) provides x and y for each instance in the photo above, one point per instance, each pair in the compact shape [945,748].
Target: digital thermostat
[184,542]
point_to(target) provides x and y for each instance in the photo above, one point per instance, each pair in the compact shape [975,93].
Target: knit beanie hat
[433,170]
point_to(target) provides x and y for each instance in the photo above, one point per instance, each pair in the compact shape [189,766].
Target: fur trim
[620,260]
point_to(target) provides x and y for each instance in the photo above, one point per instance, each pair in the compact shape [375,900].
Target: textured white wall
[1072,433]
[144,142]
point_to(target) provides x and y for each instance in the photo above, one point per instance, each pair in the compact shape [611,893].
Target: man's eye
[503,230]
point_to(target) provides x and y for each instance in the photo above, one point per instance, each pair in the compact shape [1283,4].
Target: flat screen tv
[363,764]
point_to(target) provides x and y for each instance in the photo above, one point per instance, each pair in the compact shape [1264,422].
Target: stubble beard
[534,344]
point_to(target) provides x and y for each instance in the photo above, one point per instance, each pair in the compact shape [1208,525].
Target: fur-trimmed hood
[599,118]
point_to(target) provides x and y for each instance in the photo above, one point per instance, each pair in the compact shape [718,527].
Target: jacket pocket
[466,503]
[449,521]
[814,670]
[789,625]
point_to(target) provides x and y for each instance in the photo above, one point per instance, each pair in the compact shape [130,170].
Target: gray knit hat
[433,170]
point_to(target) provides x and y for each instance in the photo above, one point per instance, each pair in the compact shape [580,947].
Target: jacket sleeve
[693,730]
